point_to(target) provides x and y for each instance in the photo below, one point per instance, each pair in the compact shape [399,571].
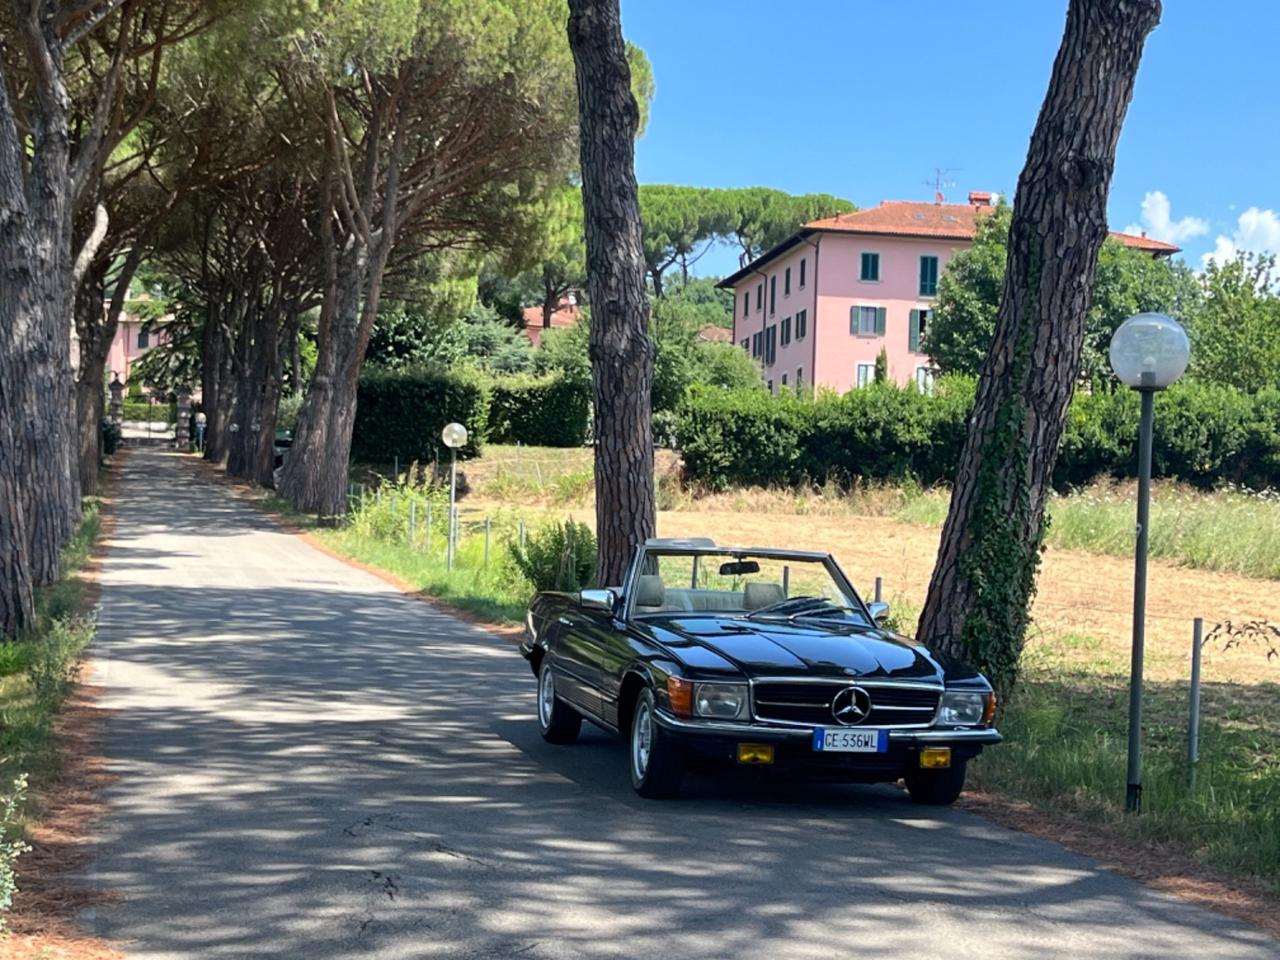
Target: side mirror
[605,600]
[879,611]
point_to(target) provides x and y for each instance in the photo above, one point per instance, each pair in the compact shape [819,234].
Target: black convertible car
[753,656]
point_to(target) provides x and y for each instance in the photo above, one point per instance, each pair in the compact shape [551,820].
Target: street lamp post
[454,436]
[1148,353]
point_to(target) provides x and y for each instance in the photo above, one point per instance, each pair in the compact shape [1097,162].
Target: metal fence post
[413,524]
[522,538]
[488,528]
[1193,726]
[429,512]
[879,589]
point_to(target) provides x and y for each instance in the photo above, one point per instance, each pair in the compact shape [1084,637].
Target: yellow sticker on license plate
[849,740]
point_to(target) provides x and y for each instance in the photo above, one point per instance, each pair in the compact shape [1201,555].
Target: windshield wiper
[782,606]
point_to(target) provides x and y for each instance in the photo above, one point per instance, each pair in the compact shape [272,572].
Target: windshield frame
[736,553]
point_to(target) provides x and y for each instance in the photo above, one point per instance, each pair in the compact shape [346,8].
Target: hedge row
[154,412]
[400,414]
[551,411]
[1204,435]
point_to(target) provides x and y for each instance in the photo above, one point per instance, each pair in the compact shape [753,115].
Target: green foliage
[550,411]
[1235,330]
[558,556]
[111,437]
[1128,281]
[564,350]
[11,844]
[481,338]
[1205,435]
[882,366]
[751,438]
[153,412]
[288,410]
[399,414]
[682,359]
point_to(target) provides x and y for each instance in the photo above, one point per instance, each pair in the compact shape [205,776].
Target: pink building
[132,340]
[818,308]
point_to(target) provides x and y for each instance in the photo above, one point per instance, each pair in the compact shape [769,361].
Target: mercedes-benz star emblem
[851,705]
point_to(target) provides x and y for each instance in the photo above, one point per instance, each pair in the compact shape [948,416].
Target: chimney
[979,198]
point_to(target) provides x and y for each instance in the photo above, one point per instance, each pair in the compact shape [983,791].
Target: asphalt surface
[313,765]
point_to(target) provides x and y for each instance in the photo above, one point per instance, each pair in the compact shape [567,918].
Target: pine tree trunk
[95,344]
[621,352]
[984,578]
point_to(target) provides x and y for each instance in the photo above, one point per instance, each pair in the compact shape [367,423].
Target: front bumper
[779,733]
[717,742]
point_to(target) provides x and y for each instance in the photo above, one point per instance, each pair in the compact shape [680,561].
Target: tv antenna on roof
[940,181]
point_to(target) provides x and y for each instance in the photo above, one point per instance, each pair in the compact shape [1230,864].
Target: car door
[575,659]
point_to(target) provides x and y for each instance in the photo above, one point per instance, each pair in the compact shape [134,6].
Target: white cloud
[1158,222]
[1257,231]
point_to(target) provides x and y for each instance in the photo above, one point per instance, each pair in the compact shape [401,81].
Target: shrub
[558,556]
[399,414]
[153,412]
[111,437]
[549,411]
[11,844]
[1204,434]
[287,411]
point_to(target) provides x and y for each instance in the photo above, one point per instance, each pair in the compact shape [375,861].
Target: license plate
[844,740]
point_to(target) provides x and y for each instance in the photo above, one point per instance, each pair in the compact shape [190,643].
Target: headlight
[962,709]
[723,701]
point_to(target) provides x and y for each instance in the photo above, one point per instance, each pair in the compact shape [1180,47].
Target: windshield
[752,585]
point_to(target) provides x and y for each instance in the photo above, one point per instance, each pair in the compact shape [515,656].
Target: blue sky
[864,99]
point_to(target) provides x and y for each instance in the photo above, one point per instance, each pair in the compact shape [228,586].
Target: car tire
[557,721]
[653,756]
[936,788]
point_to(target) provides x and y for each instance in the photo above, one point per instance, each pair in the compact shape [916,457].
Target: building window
[866,321]
[919,323]
[771,345]
[786,331]
[799,377]
[928,276]
[802,322]
[746,304]
[773,294]
[771,386]
[870,268]
[144,339]
[755,344]
[866,374]
[786,283]
[759,295]
[746,344]
[784,379]
[802,273]
[924,380]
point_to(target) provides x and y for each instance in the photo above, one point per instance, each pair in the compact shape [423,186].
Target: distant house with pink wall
[134,338]
[818,308]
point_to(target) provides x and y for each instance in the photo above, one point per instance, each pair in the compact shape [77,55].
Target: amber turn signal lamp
[680,693]
[989,714]
[935,758]
[755,753]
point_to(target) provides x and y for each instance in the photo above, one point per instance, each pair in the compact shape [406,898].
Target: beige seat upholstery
[651,593]
[757,595]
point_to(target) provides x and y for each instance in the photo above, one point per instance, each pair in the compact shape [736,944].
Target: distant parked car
[749,656]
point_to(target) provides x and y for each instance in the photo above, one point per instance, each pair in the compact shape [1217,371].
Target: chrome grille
[810,703]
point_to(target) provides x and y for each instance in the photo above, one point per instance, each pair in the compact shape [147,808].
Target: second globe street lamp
[1148,353]
[454,436]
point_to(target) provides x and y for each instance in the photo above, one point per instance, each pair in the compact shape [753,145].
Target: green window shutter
[853,319]
[913,335]
[880,311]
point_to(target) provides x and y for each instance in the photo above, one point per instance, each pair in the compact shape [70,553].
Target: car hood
[808,648]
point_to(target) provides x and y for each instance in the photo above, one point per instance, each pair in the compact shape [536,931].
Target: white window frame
[924,380]
[863,312]
[864,375]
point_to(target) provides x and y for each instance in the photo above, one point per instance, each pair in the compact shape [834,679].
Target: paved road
[313,765]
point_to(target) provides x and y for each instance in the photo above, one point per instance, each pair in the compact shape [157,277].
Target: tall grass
[1065,750]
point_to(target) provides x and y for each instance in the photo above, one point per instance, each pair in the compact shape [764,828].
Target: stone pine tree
[984,577]
[621,352]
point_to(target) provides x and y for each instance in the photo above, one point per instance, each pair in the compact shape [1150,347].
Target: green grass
[36,668]
[1065,751]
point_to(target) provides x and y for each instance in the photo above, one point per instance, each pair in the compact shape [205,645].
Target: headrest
[650,591]
[757,595]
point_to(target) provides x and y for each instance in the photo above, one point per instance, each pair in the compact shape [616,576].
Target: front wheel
[657,764]
[936,788]
[558,721]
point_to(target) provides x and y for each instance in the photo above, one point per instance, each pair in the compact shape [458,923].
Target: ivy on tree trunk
[984,578]
[622,354]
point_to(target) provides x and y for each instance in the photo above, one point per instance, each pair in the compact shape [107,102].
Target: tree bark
[621,352]
[984,578]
